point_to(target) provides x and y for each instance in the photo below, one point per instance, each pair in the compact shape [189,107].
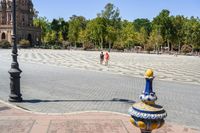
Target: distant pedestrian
[106,58]
[101,58]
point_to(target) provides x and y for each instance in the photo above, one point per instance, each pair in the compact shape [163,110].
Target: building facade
[24,22]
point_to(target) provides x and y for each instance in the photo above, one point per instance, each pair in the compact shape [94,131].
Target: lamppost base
[15,98]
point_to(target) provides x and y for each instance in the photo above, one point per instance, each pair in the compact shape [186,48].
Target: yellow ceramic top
[145,107]
[149,73]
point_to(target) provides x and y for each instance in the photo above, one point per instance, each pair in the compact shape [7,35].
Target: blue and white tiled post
[146,114]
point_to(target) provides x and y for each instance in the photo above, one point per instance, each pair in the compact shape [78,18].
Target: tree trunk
[101,43]
[168,45]
[171,48]
[75,44]
[179,47]
[109,46]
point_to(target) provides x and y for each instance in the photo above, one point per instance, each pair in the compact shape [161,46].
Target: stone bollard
[146,114]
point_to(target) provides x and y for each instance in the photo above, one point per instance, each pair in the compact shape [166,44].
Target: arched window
[3,36]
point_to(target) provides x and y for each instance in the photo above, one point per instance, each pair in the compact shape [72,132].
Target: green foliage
[56,47]
[24,43]
[192,32]
[163,23]
[96,30]
[142,37]
[128,36]
[149,47]
[142,23]
[107,30]
[43,24]
[50,37]
[155,40]
[4,44]
[55,25]
[110,12]
[118,46]
[76,24]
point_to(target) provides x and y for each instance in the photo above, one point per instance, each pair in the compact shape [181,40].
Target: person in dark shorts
[101,58]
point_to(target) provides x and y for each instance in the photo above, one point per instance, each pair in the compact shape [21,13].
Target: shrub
[149,47]
[186,49]
[45,46]
[24,43]
[4,44]
[88,46]
[55,46]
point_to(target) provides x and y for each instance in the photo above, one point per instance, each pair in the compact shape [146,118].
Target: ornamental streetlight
[15,95]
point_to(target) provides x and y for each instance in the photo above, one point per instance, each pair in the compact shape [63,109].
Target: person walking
[101,58]
[106,58]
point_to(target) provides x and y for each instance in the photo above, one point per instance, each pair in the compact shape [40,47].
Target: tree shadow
[112,100]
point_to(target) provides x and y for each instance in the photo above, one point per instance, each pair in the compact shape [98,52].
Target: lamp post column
[15,95]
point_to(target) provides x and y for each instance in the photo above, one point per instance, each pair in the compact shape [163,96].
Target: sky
[129,9]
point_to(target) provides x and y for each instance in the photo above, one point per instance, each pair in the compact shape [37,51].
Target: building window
[3,36]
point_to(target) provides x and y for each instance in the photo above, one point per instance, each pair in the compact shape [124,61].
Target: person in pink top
[106,58]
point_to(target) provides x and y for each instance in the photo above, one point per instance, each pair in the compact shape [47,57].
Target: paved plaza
[167,67]
[62,81]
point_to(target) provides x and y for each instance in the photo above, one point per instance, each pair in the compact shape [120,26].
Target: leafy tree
[107,30]
[83,38]
[142,23]
[178,29]
[110,12]
[164,25]
[128,35]
[76,24]
[142,37]
[50,37]
[63,28]
[192,32]
[111,35]
[155,39]
[96,30]
[43,24]
[55,26]
[112,20]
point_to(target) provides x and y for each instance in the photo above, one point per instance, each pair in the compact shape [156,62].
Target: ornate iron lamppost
[146,114]
[15,95]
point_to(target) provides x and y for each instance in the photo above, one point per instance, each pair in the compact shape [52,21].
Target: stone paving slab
[11,121]
[87,126]
[16,126]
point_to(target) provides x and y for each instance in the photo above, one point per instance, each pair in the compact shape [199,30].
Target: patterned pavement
[167,67]
[15,120]
[47,86]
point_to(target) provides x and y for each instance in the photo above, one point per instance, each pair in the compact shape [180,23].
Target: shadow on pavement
[112,100]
